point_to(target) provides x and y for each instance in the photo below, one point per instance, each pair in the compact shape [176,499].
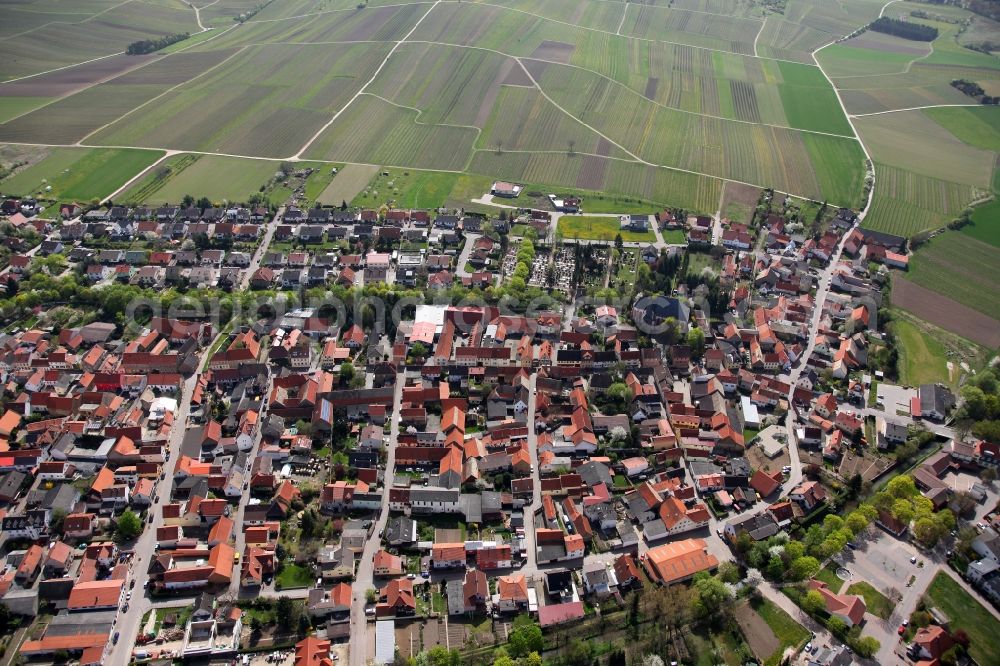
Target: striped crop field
[906,203]
[283,94]
[373,131]
[663,100]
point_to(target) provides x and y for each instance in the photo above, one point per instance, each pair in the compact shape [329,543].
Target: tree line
[144,46]
[907,30]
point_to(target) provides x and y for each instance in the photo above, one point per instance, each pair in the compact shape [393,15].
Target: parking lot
[895,399]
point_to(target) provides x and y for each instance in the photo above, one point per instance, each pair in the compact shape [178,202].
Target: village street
[362,632]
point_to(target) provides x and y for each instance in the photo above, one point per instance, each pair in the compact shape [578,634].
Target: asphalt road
[362,645]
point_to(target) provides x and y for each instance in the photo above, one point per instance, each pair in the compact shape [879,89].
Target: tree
[56,522]
[533,659]
[856,522]
[501,658]
[836,626]
[813,602]
[618,434]
[794,550]
[696,340]
[619,392]
[804,567]
[902,510]
[867,646]
[578,653]
[308,523]
[284,612]
[442,656]
[710,594]
[729,572]
[346,372]
[128,526]
[901,486]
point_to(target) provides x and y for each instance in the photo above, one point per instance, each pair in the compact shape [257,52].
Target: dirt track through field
[946,313]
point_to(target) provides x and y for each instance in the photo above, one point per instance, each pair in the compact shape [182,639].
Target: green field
[80,174]
[985,225]
[878,604]
[15,106]
[828,575]
[962,268]
[922,358]
[976,126]
[293,576]
[965,612]
[218,178]
[809,101]
[906,203]
[599,228]
[408,189]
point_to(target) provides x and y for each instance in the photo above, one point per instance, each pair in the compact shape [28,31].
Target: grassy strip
[966,613]
[878,604]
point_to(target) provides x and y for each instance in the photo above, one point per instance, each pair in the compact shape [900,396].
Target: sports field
[599,228]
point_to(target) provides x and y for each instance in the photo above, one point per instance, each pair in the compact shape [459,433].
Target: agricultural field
[962,268]
[87,29]
[739,202]
[373,131]
[347,184]
[876,72]
[927,170]
[282,93]
[218,178]
[976,126]
[660,102]
[945,313]
[906,203]
[985,225]
[77,116]
[81,174]
[694,28]
[871,54]
[912,141]
[807,25]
